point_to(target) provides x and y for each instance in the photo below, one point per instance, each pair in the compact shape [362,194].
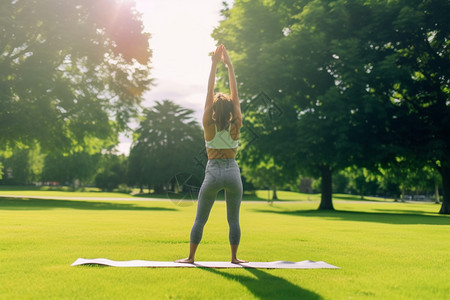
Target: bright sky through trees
[181,40]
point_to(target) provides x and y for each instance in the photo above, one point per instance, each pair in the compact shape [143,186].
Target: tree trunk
[274,195]
[445,173]
[159,189]
[402,196]
[436,192]
[326,202]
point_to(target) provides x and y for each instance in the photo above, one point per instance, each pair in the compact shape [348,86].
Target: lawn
[385,250]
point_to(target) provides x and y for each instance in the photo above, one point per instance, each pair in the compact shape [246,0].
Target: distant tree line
[169,142]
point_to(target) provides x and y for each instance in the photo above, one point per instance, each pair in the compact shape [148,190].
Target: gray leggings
[219,174]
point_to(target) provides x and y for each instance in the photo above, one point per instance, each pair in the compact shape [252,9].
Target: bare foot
[238,261]
[185,260]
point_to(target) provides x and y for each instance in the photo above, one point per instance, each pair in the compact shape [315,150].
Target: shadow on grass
[93,266]
[358,198]
[41,204]
[393,217]
[253,196]
[220,197]
[19,188]
[267,286]
[149,195]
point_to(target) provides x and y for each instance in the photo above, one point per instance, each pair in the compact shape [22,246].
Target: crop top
[222,140]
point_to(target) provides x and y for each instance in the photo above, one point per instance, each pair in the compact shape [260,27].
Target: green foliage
[265,175]
[360,181]
[165,144]
[340,183]
[76,169]
[22,164]
[359,82]
[395,181]
[69,70]
[411,179]
[411,70]
[315,132]
[112,172]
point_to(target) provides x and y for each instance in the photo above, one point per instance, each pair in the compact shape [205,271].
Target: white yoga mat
[306,264]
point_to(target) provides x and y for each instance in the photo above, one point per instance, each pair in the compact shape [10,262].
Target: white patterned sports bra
[222,140]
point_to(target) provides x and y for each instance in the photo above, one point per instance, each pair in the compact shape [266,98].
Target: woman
[222,120]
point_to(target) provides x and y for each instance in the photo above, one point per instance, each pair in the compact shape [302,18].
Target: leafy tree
[70,70]
[24,164]
[265,175]
[361,82]
[112,172]
[361,181]
[340,183]
[410,69]
[411,178]
[290,48]
[77,169]
[165,144]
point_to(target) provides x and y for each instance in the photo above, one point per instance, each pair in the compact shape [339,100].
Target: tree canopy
[359,82]
[71,71]
[165,144]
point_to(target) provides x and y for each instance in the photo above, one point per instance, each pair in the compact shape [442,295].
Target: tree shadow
[264,285]
[358,198]
[392,217]
[41,204]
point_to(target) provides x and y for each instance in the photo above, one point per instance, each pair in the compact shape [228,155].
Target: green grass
[385,250]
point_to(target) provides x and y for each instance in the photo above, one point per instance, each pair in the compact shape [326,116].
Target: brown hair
[222,111]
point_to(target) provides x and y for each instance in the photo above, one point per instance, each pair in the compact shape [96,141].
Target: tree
[165,144]
[300,43]
[77,169]
[70,70]
[265,175]
[24,164]
[361,83]
[340,183]
[361,181]
[411,177]
[410,69]
[112,172]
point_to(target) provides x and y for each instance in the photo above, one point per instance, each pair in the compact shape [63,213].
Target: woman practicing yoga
[222,120]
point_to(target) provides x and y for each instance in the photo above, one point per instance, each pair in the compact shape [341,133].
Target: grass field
[385,250]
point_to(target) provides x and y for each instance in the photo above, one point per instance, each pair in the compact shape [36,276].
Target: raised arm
[216,56]
[233,85]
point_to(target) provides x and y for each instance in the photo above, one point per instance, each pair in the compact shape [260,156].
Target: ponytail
[222,111]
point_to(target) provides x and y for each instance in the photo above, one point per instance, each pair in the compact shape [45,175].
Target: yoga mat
[306,264]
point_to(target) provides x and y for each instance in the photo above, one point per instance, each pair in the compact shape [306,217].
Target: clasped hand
[221,54]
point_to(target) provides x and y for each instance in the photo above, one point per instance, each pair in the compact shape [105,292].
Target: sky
[181,41]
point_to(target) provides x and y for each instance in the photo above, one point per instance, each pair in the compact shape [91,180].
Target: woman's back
[222,144]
